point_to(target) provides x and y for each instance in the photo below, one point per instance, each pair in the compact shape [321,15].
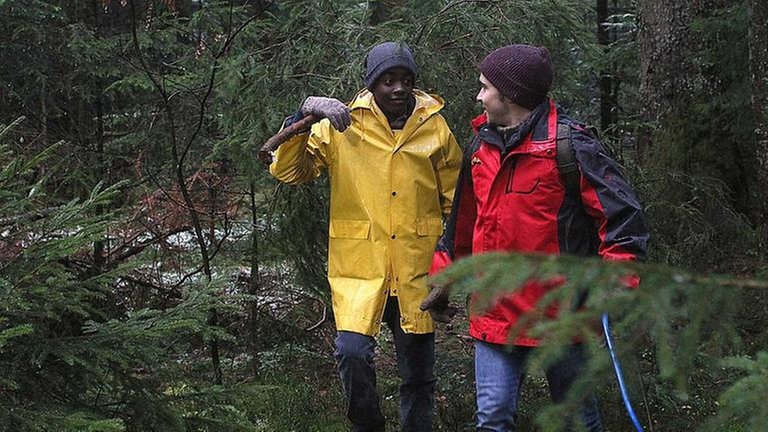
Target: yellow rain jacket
[388,194]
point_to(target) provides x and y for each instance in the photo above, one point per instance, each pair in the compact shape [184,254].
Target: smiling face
[392,91]
[496,106]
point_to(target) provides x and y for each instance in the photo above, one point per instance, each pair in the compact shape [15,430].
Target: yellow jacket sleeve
[303,157]
[448,170]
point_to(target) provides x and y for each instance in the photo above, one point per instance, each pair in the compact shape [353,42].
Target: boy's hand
[437,304]
[330,108]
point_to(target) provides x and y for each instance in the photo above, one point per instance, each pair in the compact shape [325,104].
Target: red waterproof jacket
[511,197]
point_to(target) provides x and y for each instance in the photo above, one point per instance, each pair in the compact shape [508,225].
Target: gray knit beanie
[522,73]
[386,56]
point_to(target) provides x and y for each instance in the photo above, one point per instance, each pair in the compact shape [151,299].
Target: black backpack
[566,161]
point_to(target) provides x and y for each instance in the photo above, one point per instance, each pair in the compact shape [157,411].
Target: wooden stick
[265,154]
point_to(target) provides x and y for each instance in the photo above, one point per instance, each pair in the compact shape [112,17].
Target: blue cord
[619,375]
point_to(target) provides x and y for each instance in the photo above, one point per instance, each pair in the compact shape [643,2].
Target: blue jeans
[499,375]
[415,364]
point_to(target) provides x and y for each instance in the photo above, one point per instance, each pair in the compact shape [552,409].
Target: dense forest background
[153,277]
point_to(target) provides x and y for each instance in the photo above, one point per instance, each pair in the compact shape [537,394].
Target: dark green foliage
[689,318]
[74,355]
[741,403]
[693,224]
[108,282]
[302,208]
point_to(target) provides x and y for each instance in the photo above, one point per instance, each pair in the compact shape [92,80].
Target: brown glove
[438,305]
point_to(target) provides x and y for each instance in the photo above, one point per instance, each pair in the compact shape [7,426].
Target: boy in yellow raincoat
[392,162]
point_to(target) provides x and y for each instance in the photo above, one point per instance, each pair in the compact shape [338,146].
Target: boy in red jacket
[511,196]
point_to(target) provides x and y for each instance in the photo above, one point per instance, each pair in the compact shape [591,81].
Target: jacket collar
[478,121]
[430,104]
[535,125]
[426,106]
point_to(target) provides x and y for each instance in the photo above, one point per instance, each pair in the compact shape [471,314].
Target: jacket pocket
[525,186]
[429,227]
[350,229]
[525,175]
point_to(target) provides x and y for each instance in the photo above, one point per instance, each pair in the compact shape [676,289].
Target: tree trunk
[664,70]
[179,150]
[758,65]
[666,48]
[607,97]
[254,286]
[385,10]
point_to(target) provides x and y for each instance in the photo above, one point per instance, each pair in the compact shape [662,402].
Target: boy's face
[392,91]
[496,106]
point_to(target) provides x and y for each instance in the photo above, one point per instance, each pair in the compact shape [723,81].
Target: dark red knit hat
[522,73]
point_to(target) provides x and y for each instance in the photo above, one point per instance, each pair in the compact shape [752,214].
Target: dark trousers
[415,364]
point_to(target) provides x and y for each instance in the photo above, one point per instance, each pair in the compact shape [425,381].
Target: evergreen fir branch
[679,310]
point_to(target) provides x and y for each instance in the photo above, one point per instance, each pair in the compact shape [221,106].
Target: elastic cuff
[293,119]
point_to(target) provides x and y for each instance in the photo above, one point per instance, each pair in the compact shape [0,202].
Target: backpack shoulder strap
[566,161]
